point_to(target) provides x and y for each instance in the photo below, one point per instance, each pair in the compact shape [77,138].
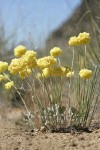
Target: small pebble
[43,129]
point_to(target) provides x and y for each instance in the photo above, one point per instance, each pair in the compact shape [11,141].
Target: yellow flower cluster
[46,62]
[9,85]
[23,65]
[3,66]
[31,53]
[81,39]
[70,74]
[29,59]
[15,66]
[19,51]
[74,41]
[85,73]
[56,51]
[58,71]
[84,38]
[25,73]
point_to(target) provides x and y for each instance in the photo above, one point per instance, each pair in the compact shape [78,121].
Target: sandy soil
[16,137]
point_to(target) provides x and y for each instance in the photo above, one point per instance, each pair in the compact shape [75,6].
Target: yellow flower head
[85,73]
[46,72]
[25,73]
[84,38]
[29,59]
[46,62]
[70,74]
[58,71]
[29,62]
[81,39]
[56,51]
[19,51]
[9,85]
[23,63]
[74,41]
[3,66]
[30,54]
[15,66]
[1,77]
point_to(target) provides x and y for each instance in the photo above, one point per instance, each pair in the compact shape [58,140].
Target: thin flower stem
[16,101]
[70,82]
[24,105]
[69,93]
[60,91]
[59,61]
[85,56]
[6,76]
[73,58]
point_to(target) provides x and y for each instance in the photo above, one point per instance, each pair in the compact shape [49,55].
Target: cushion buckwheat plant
[45,78]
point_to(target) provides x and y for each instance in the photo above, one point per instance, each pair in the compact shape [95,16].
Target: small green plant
[45,78]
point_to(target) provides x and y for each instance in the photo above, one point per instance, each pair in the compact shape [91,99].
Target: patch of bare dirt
[16,137]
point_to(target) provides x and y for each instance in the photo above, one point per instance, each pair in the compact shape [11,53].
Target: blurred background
[43,24]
